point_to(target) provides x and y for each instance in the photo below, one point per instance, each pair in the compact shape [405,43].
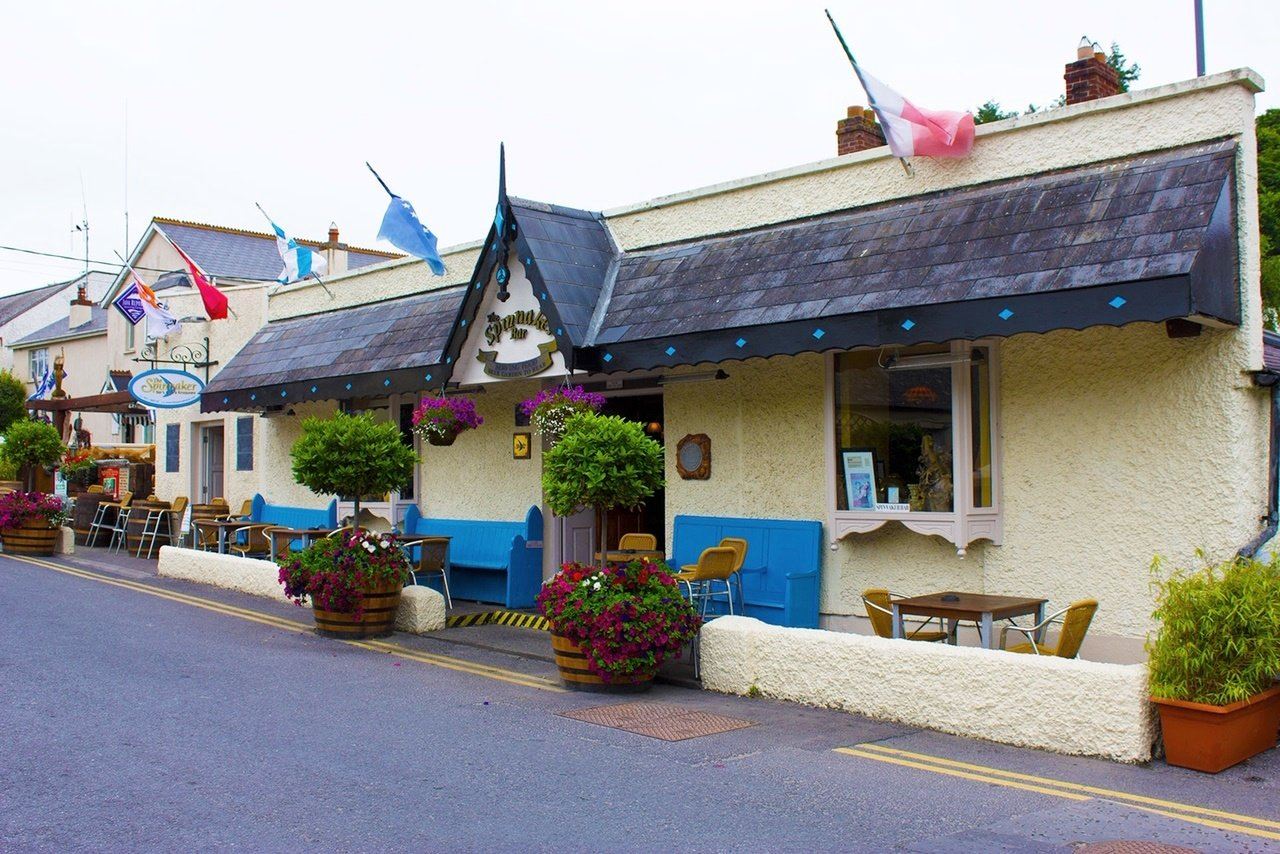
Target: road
[145,715]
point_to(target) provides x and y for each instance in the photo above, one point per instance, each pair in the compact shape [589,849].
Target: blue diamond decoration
[528,262]
[226,400]
[253,397]
[448,360]
[608,357]
[1005,314]
[386,383]
[284,393]
[1117,302]
[671,351]
[559,331]
[348,386]
[464,321]
[427,378]
[818,333]
[740,343]
[908,324]
[313,389]
[544,294]
[478,284]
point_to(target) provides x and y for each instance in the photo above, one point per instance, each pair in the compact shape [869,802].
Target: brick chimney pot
[1090,77]
[858,131]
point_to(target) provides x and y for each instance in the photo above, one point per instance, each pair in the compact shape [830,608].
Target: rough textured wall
[1069,706]
[86,372]
[475,477]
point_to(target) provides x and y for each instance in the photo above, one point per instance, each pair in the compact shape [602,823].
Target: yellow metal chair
[1074,619]
[103,521]
[246,509]
[638,543]
[97,487]
[714,564]
[171,519]
[739,547]
[879,605]
[255,541]
[433,557]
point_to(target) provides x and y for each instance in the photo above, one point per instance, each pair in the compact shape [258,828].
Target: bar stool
[120,530]
[156,515]
[99,523]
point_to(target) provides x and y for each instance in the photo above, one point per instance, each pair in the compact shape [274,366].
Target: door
[211,464]
[578,537]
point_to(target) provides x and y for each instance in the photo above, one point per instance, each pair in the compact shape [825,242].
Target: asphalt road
[131,721]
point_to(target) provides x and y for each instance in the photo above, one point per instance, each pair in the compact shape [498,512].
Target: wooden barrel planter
[381,601]
[34,537]
[577,674]
[140,510]
[86,508]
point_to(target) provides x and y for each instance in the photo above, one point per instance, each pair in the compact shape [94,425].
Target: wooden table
[976,607]
[224,525]
[288,535]
[628,555]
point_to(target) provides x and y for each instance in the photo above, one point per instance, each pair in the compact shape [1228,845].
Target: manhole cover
[1131,846]
[658,720]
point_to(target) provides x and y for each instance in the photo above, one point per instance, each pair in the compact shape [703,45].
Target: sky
[196,111]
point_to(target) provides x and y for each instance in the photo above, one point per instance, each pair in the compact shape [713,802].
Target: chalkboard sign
[244,443]
[171,433]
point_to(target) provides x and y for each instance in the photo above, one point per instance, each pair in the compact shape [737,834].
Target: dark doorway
[645,409]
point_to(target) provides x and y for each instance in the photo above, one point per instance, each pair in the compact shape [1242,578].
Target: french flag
[912,130]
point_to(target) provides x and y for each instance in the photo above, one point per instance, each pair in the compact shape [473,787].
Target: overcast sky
[600,104]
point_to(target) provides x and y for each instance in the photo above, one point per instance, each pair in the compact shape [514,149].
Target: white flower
[596,585]
[368,546]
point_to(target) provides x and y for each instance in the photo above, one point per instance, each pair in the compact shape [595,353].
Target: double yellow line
[1068,790]
[447,662]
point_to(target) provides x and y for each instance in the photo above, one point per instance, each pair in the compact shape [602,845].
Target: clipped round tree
[13,399]
[28,444]
[351,455]
[602,462]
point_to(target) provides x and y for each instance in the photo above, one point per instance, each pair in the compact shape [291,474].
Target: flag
[299,261]
[912,130]
[44,386]
[160,321]
[215,301]
[403,230]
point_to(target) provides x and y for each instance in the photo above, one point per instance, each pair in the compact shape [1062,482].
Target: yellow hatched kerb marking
[499,618]
[447,662]
[1206,816]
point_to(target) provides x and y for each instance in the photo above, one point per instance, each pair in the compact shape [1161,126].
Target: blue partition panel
[782,569]
[498,562]
[294,517]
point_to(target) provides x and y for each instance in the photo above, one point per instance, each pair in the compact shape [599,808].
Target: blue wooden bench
[781,574]
[498,562]
[294,517]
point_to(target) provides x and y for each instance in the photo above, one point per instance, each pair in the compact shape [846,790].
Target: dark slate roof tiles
[243,254]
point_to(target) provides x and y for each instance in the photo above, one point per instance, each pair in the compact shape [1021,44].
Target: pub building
[1026,372]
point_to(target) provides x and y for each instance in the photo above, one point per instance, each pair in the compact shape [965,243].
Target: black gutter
[1269,379]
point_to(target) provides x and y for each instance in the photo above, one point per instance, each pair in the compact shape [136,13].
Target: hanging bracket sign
[165,388]
[130,304]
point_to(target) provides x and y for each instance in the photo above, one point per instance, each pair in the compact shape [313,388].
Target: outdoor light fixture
[931,360]
[653,428]
[693,378]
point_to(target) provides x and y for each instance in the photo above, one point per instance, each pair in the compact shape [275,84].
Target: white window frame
[964,524]
[39,355]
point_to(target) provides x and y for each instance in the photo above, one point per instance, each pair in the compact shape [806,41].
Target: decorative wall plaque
[693,457]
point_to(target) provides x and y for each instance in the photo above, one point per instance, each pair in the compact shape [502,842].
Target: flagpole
[906,167]
[199,269]
[380,181]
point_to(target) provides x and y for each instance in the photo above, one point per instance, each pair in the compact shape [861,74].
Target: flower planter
[1212,738]
[381,601]
[34,537]
[577,675]
[441,441]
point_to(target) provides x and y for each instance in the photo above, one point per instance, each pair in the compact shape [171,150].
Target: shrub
[550,408]
[601,462]
[351,455]
[439,420]
[18,508]
[28,444]
[1219,635]
[627,619]
[333,570]
[13,399]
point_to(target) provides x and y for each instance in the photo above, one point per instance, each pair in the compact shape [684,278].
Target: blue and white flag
[300,262]
[45,386]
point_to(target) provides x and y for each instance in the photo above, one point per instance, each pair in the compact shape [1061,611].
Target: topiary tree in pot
[28,444]
[353,580]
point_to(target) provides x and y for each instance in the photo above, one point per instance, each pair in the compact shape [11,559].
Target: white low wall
[1068,706]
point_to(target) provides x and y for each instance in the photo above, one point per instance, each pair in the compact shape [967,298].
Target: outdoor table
[628,555]
[224,525]
[288,535]
[981,609]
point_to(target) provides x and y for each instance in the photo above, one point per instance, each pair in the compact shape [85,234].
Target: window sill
[960,529]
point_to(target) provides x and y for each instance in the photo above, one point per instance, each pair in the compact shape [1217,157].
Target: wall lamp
[931,360]
[693,378]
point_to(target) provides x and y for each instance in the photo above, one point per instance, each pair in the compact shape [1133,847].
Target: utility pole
[1199,5]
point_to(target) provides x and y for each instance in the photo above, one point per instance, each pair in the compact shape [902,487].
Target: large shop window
[913,440]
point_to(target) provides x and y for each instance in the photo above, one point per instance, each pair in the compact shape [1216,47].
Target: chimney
[335,252]
[858,132]
[81,308]
[1090,77]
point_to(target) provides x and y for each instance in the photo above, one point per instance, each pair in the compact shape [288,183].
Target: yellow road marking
[444,661]
[1205,816]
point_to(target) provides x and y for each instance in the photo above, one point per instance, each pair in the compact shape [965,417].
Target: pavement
[148,714]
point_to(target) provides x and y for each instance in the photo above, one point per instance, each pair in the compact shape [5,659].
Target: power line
[81,260]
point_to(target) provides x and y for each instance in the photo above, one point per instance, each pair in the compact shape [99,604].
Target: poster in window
[860,478]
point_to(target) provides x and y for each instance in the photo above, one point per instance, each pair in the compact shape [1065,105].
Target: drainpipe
[1270,380]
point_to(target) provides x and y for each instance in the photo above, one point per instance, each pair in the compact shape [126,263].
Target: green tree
[991,111]
[13,399]
[1268,128]
[28,444]
[1127,71]
[601,462]
[351,455]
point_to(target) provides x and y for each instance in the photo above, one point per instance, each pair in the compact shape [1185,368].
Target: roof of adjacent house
[61,329]
[13,305]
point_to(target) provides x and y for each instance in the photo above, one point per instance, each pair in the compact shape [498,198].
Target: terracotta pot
[572,662]
[381,601]
[1212,738]
[33,537]
[433,439]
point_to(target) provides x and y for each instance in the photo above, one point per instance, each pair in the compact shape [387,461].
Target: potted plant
[549,409]
[439,420]
[78,468]
[1214,661]
[30,444]
[352,578]
[612,628]
[29,522]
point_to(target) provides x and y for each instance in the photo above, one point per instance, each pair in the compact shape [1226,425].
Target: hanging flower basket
[440,420]
[550,408]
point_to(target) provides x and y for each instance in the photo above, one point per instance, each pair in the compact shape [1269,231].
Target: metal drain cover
[658,720]
[1131,846]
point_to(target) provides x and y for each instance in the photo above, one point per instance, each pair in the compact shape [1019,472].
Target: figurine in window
[935,477]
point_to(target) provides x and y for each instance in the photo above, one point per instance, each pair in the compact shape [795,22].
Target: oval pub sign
[166,389]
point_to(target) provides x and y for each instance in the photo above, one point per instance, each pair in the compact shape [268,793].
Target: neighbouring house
[1027,372]
[24,313]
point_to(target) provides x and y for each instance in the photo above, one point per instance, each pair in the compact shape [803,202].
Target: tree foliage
[351,455]
[1128,72]
[28,444]
[13,399]
[1268,128]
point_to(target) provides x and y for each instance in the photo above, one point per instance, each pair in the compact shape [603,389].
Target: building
[29,312]
[1024,372]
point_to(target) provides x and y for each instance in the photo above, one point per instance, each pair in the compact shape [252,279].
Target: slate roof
[573,252]
[1140,218]
[61,328]
[380,348]
[15,304]
[239,254]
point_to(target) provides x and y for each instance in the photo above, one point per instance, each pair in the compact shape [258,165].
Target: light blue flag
[299,261]
[402,228]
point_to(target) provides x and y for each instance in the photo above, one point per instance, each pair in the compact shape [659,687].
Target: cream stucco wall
[86,372]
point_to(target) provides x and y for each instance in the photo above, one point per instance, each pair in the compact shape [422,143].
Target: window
[130,333]
[171,455]
[244,443]
[38,362]
[913,439]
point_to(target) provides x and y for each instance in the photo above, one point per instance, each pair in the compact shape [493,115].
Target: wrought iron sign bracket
[186,356]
